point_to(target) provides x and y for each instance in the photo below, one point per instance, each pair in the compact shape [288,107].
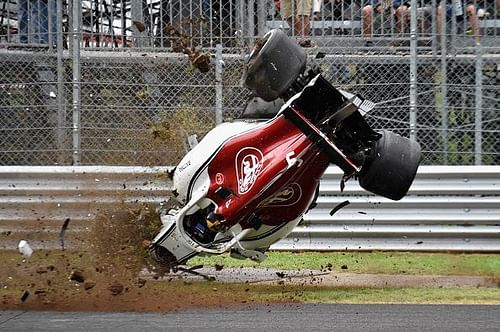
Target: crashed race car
[248,183]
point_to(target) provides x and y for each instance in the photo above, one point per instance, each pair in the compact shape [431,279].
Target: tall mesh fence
[127,82]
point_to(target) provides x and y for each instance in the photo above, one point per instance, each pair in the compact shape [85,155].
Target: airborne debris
[141,282]
[320,55]
[116,288]
[63,230]
[182,42]
[89,285]
[139,25]
[339,206]
[77,275]
[191,271]
[41,270]
[25,295]
[25,249]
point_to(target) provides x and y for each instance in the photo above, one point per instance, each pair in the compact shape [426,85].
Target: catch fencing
[125,82]
[448,208]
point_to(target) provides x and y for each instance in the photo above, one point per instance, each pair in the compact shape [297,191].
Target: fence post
[444,88]
[137,14]
[413,69]
[479,105]
[251,21]
[61,106]
[261,17]
[70,25]
[218,83]
[434,23]
[50,33]
[76,83]
[455,4]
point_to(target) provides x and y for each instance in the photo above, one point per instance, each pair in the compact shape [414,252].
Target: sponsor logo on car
[290,195]
[248,167]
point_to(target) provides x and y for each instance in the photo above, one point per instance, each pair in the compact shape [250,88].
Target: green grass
[372,262]
[392,295]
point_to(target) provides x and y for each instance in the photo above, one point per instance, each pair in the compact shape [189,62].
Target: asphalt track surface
[290,317]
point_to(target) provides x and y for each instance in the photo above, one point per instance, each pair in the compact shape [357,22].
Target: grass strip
[391,295]
[411,263]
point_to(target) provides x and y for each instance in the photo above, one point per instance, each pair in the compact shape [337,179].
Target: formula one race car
[247,184]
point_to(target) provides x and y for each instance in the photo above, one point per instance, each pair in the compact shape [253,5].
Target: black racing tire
[392,166]
[273,65]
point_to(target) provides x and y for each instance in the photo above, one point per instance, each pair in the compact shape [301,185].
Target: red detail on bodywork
[267,176]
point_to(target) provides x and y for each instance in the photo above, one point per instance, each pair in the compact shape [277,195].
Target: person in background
[489,8]
[398,8]
[316,9]
[456,7]
[34,21]
[297,13]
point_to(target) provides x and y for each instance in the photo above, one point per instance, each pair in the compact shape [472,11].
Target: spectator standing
[490,8]
[33,21]
[456,8]
[316,9]
[339,9]
[297,13]
[398,8]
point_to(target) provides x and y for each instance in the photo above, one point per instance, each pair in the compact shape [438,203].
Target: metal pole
[434,26]
[456,4]
[261,17]
[241,17]
[61,107]
[413,69]
[218,83]
[444,88]
[240,22]
[76,83]
[123,27]
[251,21]
[6,13]
[49,23]
[479,105]
[70,25]
[136,12]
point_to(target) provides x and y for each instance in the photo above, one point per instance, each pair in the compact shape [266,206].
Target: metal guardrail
[35,201]
[452,208]
[448,208]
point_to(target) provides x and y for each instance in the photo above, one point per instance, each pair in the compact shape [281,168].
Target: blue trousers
[34,21]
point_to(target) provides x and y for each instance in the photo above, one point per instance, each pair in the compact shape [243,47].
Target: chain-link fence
[125,82]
